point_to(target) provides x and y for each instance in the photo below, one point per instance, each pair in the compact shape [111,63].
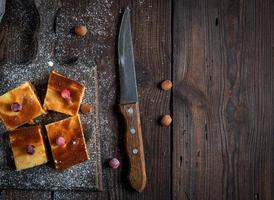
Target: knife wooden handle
[134,146]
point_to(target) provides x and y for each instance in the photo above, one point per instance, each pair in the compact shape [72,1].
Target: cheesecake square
[67,142]
[19,106]
[63,94]
[28,147]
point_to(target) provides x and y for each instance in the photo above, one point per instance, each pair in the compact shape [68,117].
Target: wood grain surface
[223,99]
[219,54]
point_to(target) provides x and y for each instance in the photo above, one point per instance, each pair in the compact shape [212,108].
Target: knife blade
[129,106]
[2,8]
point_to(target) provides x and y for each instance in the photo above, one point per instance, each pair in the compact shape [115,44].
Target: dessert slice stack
[66,138]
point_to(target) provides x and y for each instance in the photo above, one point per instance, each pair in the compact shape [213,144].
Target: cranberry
[16,107]
[60,141]
[65,94]
[30,149]
[114,163]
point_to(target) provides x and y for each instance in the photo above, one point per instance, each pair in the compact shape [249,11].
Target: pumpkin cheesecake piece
[63,94]
[28,147]
[19,106]
[67,142]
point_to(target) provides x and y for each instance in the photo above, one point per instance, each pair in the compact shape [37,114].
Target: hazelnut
[166,85]
[166,120]
[114,163]
[86,108]
[80,30]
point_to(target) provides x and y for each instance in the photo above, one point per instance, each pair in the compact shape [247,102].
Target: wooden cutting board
[30,63]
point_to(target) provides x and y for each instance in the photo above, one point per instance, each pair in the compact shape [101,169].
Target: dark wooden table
[219,55]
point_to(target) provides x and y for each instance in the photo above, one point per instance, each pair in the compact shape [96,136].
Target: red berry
[65,94]
[114,163]
[60,141]
[30,149]
[16,107]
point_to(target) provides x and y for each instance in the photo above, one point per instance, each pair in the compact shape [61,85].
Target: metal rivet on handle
[135,151]
[130,110]
[132,130]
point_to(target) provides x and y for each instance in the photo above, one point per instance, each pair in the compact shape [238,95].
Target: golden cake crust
[54,101]
[31,107]
[20,139]
[75,150]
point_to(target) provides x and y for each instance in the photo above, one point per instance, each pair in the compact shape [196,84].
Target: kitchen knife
[129,106]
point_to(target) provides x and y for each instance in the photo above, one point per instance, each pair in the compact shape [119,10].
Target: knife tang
[134,145]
